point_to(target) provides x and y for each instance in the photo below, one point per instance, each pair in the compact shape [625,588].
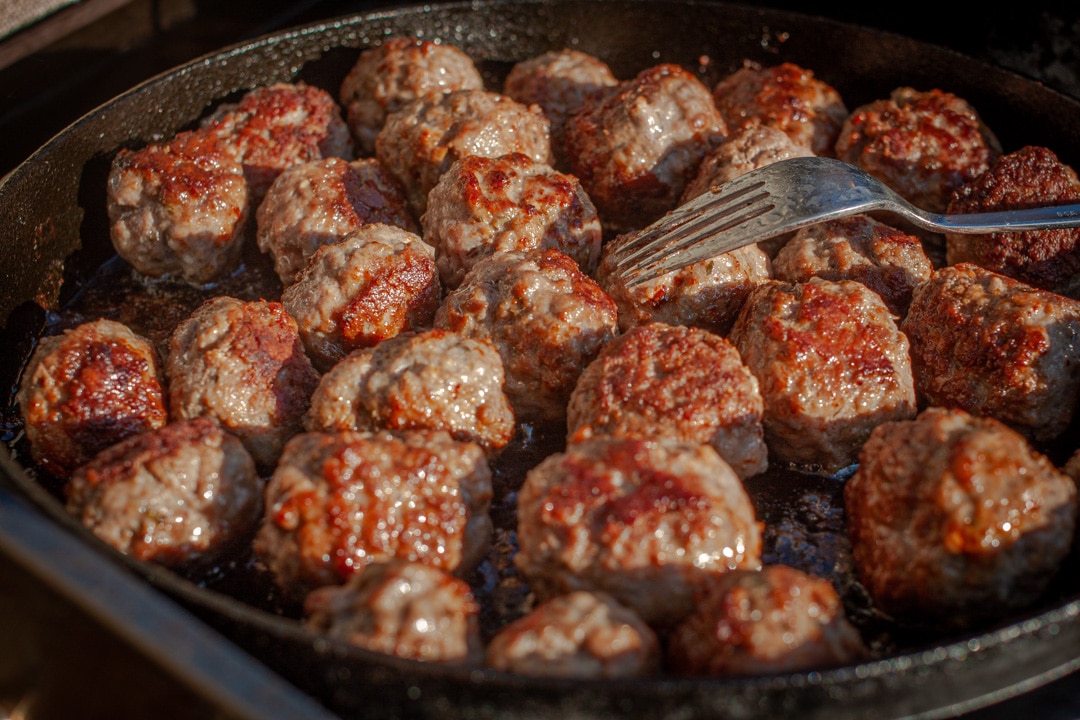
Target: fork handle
[1041,218]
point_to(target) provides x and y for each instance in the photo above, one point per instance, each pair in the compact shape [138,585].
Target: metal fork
[785,196]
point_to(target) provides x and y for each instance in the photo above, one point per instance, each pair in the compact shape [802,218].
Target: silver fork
[785,196]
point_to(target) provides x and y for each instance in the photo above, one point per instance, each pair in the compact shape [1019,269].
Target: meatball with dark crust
[1029,177]
[83,390]
[775,620]
[956,520]
[184,495]
[995,346]
[671,381]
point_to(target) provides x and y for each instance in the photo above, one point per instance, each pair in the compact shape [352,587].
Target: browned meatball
[647,521]
[178,209]
[422,140]
[86,389]
[483,205]
[243,364]
[787,97]
[578,635]
[547,319]
[1047,259]
[184,495]
[831,365]
[922,144]
[995,346]
[671,381]
[319,202]
[376,282]
[401,608]
[338,502]
[428,380]
[775,620]
[955,519]
[401,69]
[636,146]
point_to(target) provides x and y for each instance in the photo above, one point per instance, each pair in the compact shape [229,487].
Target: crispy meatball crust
[955,520]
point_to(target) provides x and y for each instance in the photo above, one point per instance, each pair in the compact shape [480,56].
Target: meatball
[482,205]
[831,365]
[83,390]
[184,495]
[787,97]
[994,346]
[647,521]
[319,202]
[243,364]
[547,319]
[422,140]
[775,620]
[578,635]
[922,144]
[401,69]
[376,282]
[340,501]
[955,519]
[178,209]
[401,608]
[886,259]
[433,380]
[671,381]
[635,147]
[1047,259]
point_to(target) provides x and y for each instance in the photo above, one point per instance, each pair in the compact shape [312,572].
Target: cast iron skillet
[54,238]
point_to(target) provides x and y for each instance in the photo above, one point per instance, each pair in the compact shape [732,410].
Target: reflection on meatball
[955,520]
[668,381]
[647,521]
[86,389]
[184,495]
[778,619]
[578,635]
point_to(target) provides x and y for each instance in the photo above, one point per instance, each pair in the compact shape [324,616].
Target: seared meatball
[184,495]
[995,346]
[922,144]
[243,364]
[775,620]
[340,501]
[1031,176]
[401,608]
[578,635]
[647,521]
[178,208]
[86,389]
[482,205]
[887,260]
[422,140]
[671,381]
[431,380]
[787,97]
[390,75]
[547,319]
[376,282]
[636,146]
[955,520]
[319,202]
[831,365]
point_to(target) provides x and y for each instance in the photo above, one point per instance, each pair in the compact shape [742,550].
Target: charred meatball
[376,282]
[647,521]
[184,495]
[670,381]
[92,386]
[955,520]
[995,346]
[831,364]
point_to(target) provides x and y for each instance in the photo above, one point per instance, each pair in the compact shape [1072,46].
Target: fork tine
[692,250]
